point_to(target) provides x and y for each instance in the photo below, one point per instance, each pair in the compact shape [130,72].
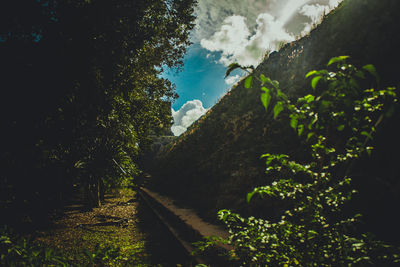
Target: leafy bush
[18,251]
[102,254]
[337,123]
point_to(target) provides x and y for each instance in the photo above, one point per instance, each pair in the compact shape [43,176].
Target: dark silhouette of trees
[81,91]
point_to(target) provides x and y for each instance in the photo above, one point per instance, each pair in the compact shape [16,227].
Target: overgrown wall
[217,161]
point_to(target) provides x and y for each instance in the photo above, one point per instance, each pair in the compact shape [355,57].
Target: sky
[229,31]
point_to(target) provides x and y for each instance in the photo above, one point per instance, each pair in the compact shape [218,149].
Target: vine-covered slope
[217,161]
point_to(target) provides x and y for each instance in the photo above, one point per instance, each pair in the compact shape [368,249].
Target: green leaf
[311,73]
[263,78]
[281,95]
[293,121]
[309,135]
[300,129]
[265,155]
[315,81]
[309,98]
[249,196]
[224,213]
[367,134]
[314,120]
[232,67]
[278,108]
[337,59]
[275,84]
[341,127]
[248,81]
[312,234]
[371,69]
[265,97]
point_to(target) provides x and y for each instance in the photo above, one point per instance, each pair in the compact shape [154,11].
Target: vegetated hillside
[217,161]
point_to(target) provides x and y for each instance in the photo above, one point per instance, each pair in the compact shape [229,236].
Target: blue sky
[230,31]
[202,78]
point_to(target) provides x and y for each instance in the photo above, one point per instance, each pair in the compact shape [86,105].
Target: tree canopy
[81,88]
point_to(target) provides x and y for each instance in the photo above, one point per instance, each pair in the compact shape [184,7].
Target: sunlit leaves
[309,98]
[312,190]
[248,81]
[300,129]
[294,121]
[311,73]
[265,97]
[337,59]
[264,79]
[315,81]
[278,108]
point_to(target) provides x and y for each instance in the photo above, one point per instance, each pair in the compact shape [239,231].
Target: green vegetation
[18,251]
[82,93]
[312,229]
[99,245]
[81,97]
[108,235]
[119,233]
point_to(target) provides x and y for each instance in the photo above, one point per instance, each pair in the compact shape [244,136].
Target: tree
[83,87]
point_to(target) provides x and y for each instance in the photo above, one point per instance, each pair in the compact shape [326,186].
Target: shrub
[337,122]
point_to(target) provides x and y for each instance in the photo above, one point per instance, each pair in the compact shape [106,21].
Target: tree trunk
[87,195]
[97,199]
[94,194]
[101,190]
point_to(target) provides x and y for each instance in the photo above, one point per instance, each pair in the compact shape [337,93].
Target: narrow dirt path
[121,224]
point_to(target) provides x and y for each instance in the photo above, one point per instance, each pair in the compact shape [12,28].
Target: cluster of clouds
[243,32]
[261,26]
[232,79]
[186,115]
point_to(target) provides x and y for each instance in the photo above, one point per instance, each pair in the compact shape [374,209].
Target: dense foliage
[82,92]
[337,121]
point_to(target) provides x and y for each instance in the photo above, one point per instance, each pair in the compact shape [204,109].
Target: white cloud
[290,9]
[314,12]
[186,115]
[230,38]
[210,14]
[269,34]
[232,79]
[237,45]
[334,3]
[243,31]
